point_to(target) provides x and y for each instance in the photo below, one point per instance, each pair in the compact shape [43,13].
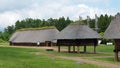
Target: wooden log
[46,43]
[73,48]
[116,50]
[95,44]
[58,48]
[78,49]
[116,57]
[51,44]
[84,48]
[94,49]
[69,49]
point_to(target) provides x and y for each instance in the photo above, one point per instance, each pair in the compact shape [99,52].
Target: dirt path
[80,59]
[83,60]
[99,63]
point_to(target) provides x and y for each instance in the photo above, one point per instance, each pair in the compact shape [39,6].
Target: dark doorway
[48,43]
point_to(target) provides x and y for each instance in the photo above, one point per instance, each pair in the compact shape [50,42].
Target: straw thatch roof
[34,35]
[113,30]
[78,31]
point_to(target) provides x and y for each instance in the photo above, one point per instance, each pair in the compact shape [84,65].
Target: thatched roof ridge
[78,31]
[78,22]
[113,30]
[34,36]
[42,28]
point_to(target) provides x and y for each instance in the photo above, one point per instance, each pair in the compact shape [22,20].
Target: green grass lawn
[104,53]
[101,51]
[11,57]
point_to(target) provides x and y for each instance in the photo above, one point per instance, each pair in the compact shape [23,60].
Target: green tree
[103,22]
[62,23]
[10,29]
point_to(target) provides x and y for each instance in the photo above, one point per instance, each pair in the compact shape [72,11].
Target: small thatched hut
[113,32]
[77,35]
[34,36]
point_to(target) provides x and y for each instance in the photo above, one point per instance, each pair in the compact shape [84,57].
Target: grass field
[101,51]
[104,53]
[12,57]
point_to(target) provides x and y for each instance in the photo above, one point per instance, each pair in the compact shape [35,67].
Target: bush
[104,41]
[1,41]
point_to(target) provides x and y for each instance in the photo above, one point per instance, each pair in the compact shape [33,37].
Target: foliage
[60,24]
[30,23]
[103,22]
[5,36]
[104,41]
[1,41]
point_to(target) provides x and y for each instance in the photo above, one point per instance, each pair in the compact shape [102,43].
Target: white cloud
[46,9]
[8,18]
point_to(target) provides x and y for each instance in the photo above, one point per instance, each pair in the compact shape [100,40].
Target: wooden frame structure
[116,49]
[78,43]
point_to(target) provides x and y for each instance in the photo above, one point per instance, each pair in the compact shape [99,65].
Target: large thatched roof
[113,30]
[34,35]
[78,31]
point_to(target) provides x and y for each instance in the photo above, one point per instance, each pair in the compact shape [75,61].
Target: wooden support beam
[58,48]
[84,48]
[73,48]
[69,49]
[116,52]
[95,44]
[46,43]
[94,49]
[116,57]
[78,49]
[51,44]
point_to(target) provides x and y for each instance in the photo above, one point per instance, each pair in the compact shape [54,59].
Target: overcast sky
[13,10]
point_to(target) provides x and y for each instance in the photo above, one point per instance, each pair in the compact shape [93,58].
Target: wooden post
[95,44]
[10,43]
[69,49]
[84,48]
[116,57]
[51,44]
[58,48]
[95,49]
[115,51]
[46,43]
[73,48]
[78,49]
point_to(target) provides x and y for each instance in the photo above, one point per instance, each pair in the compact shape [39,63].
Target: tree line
[61,23]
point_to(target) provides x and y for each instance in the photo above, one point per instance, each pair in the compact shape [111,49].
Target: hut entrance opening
[48,43]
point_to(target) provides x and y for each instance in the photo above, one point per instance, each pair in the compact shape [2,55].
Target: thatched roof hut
[113,32]
[77,35]
[34,35]
[78,31]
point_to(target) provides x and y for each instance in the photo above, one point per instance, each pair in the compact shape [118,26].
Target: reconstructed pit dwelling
[34,37]
[113,32]
[73,35]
